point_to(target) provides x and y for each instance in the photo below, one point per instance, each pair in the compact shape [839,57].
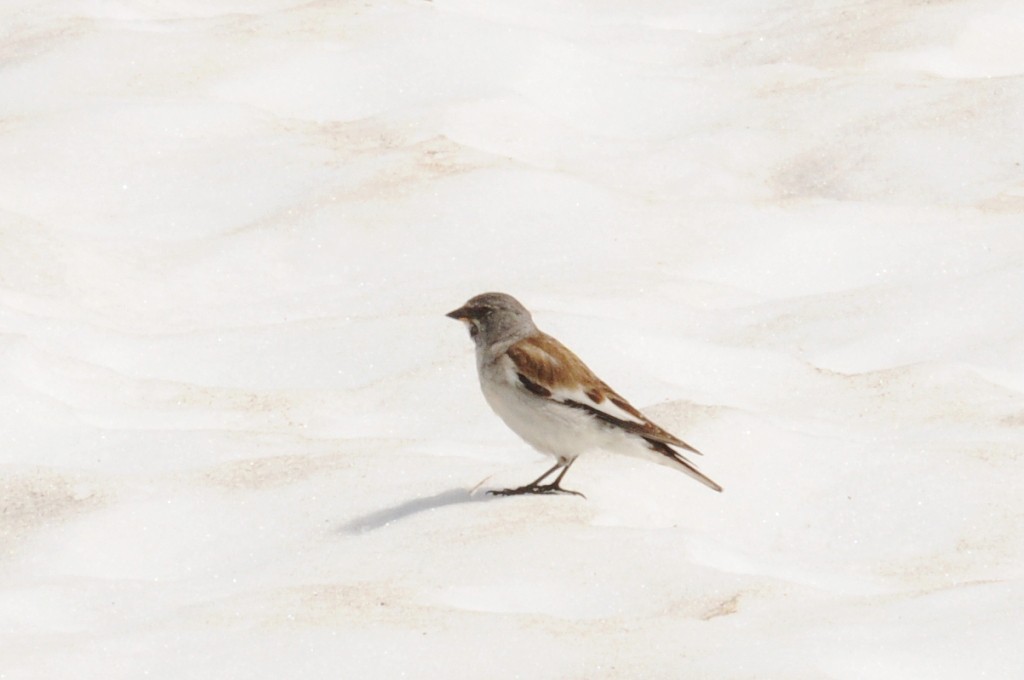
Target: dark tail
[683,464]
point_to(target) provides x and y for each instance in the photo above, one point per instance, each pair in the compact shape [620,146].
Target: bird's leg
[529,488]
[537,481]
[558,479]
[535,487]
[554,487]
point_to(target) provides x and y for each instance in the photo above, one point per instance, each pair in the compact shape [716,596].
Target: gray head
[494,318]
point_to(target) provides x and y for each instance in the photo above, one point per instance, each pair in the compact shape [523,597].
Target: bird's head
[494,318]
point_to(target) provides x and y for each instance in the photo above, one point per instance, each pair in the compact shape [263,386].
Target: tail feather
[685,465]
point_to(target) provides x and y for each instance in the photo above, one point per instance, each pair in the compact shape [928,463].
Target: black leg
[535,487]
[558,479]
[553,468]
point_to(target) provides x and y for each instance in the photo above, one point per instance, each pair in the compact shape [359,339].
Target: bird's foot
[542,489]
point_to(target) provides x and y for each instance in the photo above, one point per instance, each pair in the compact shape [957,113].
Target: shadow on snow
[384,517]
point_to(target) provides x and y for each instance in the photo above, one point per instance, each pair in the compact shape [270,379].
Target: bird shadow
[384,517]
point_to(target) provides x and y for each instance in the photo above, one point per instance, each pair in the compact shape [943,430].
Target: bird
[553,401]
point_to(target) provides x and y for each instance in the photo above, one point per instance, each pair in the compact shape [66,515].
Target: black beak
[459,314]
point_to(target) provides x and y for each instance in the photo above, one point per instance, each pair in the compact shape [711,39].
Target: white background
[238,434]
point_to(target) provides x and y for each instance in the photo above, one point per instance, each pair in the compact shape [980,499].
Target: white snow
[239,435]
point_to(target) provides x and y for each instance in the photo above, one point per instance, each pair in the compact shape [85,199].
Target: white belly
[554,429]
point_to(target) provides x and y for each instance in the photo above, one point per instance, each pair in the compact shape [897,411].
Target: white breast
[554,429]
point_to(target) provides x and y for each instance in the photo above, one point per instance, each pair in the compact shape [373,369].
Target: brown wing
[548,369]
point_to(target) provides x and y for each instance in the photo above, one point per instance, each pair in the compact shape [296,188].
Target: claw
[540,489]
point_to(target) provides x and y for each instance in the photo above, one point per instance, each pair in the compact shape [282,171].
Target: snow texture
[239,436]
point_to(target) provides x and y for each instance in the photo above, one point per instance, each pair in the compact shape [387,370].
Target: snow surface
[239,435]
